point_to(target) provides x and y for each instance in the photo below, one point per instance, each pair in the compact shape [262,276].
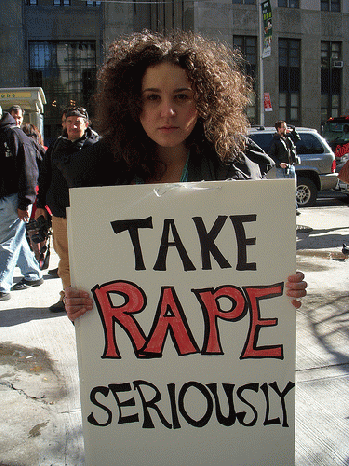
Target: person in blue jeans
[18,180]
[283,151]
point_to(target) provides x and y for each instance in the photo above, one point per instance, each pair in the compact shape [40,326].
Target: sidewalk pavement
[322,357]
[40,420]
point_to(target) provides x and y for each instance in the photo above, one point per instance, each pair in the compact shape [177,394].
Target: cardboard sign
[188,355]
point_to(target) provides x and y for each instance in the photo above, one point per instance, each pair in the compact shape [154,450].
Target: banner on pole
[188,356]
[267,102]
[267,28]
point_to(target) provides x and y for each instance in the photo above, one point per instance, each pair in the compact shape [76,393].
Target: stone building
[59,44]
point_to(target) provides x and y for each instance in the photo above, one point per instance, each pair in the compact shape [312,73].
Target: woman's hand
[77,302]
[296,288]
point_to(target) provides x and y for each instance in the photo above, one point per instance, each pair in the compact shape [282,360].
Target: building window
[248,48]
[67,73]
[331,79]
[31,2]
[331,5]
[61,2]
[93,3]
[244,2]
[289,80]
[288,3]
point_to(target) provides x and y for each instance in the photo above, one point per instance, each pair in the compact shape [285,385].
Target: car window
[336,132]
[262,140]
[309,144]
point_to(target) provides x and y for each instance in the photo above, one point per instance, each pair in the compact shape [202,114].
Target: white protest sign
[188,355]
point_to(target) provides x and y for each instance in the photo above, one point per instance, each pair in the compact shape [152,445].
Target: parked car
[336,133]
[317,171]
[342,187]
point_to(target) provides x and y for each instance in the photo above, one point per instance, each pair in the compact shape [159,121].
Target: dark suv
[317,169]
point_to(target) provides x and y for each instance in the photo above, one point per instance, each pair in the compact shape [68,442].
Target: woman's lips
[168,129]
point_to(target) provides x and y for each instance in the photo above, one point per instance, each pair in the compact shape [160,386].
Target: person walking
[41,249]
[54,272]
[283,151]
[18,180]
[53,188]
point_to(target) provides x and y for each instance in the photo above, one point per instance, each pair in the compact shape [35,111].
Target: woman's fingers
[297,304]
[296,288]
[296,277]
[77,302]
[72,292]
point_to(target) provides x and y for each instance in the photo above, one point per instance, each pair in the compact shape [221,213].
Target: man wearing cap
[53,189]
[18,180]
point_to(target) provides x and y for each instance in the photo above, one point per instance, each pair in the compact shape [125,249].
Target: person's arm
[28,177]
[78,301]
[293,134]
[45,174]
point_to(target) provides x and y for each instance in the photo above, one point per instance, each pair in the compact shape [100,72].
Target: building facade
[60,44]
[306,74]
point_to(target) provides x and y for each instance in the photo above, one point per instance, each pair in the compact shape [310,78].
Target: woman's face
[169,111]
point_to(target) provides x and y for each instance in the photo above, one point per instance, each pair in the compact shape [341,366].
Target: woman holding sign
[170,109]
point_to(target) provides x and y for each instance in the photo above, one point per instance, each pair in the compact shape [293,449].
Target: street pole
[261,70]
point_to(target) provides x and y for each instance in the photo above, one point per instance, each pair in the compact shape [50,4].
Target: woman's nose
[167,109]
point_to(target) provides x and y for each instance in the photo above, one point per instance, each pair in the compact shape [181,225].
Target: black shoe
[298,212]
[54,273]
[57,307]
[23,284]
[4,296]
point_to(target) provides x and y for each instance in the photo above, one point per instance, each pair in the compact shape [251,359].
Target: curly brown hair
[221,90]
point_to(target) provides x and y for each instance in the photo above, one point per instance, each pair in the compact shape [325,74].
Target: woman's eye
[152,97]
[181,97]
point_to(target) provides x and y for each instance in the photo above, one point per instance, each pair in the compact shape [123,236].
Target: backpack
[8,168]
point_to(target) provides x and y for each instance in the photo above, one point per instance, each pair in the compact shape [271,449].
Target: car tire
[306,192]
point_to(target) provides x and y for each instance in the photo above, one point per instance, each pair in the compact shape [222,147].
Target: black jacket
[96,166]
[40,151]
[283,149]
[18,163]
[53,188]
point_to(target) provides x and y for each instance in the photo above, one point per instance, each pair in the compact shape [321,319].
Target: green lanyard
[184,176]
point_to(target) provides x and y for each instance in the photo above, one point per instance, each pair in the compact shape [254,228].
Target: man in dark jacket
[53,189]
[18,180]
[283,151]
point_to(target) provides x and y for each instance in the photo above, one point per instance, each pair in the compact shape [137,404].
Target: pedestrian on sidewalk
[18,180]
[53,188]
[283,151]
[54,272]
